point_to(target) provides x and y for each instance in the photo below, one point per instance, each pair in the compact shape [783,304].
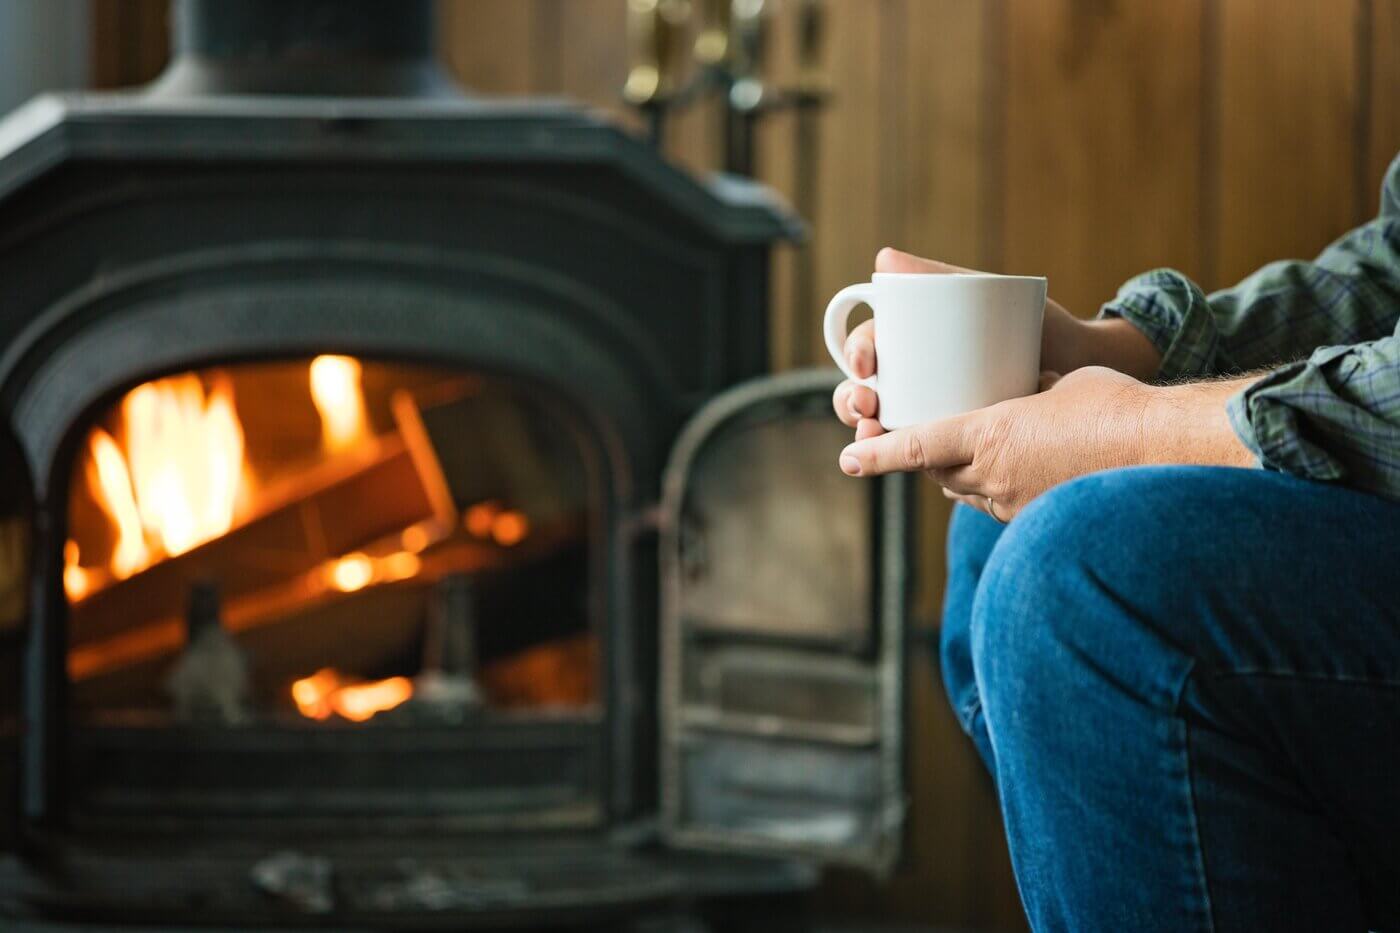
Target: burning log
[323,590]
[328,512]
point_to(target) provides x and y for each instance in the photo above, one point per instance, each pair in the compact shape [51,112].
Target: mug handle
[834,325]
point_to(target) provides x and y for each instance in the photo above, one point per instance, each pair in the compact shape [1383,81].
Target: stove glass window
[329,544]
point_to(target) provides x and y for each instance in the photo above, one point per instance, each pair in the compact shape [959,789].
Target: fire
[185,452]
[75,578]
[112,482]
[312,694]
[335,388]
[351,572]
[510,528]
[361,701]
[479,518]
[176,480]
[507,527]
[326,692]
[178,476]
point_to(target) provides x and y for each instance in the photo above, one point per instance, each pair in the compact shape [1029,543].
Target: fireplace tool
[731,53]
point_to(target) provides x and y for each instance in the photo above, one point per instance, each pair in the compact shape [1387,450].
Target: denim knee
[971,538]
[1071,594]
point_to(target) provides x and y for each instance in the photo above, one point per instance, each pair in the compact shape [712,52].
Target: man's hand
[1000,458]
[1066,344]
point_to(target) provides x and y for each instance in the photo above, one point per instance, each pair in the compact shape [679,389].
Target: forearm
[1190,424]
[1117,344]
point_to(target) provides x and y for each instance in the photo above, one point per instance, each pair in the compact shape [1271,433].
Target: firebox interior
[262,550]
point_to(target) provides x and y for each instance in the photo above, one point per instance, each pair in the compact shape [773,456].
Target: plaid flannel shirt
[1330,408]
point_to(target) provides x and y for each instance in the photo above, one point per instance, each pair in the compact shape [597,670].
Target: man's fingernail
[850,465]
[860,352]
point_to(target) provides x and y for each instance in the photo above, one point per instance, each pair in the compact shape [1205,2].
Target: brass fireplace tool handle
[731,55]
[656,31]
[731,50]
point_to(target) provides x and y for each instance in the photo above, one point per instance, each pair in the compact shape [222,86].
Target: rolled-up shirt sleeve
[1348,294]
[1334,416]
[1329,331]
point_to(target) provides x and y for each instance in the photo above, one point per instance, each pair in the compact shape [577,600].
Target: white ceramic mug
[944,344]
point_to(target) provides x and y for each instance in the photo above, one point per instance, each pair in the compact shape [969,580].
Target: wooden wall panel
[593,53]
[1102,141]
[130,41]
[489,45]
[1288,130]
[942,168]
[1383,120]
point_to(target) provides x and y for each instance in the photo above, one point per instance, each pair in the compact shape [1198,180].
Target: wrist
[1189,424]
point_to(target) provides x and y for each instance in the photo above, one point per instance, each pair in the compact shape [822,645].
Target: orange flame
[350,573]
[510,528]
[335,388]
[185,452]
[326,692]
[75,577]
[177,480]
[312,694]
[359,702]
[112,487]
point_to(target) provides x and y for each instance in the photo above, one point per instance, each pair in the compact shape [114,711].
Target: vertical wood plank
[939,168]
[489,44]
[1288,138]
[1383,132]
[593,55]
[130,41]
[849,228]
[1102,142]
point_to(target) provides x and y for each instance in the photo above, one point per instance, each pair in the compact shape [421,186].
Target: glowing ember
[351,572]
[400,565]
[510,528]
[479,518]
[335,388]
[359,702]
[312,694]
[325,693]
[415,538]
[75,578]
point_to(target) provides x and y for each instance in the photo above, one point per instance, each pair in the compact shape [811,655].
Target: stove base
[393,886]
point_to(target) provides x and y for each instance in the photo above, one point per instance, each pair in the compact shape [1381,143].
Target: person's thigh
[971,537]
[1191,683]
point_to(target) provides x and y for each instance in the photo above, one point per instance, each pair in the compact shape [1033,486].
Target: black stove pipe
[317,48]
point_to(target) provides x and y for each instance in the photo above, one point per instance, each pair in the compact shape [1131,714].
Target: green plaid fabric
[1328,330]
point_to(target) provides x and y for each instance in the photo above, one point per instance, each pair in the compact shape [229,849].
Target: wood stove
[401,532]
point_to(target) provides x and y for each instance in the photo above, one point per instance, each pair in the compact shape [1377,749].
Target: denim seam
[1184,735]
[1200,860]
[969,711]
[1349,679]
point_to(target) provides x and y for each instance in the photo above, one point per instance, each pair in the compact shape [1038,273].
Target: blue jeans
[1186,683]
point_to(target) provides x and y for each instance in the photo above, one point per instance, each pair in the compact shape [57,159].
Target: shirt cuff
[1274,416]
[1172,312]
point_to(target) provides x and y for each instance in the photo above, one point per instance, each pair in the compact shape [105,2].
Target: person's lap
[1186,682]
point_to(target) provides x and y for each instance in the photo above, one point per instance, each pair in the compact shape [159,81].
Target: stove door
[783,619]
